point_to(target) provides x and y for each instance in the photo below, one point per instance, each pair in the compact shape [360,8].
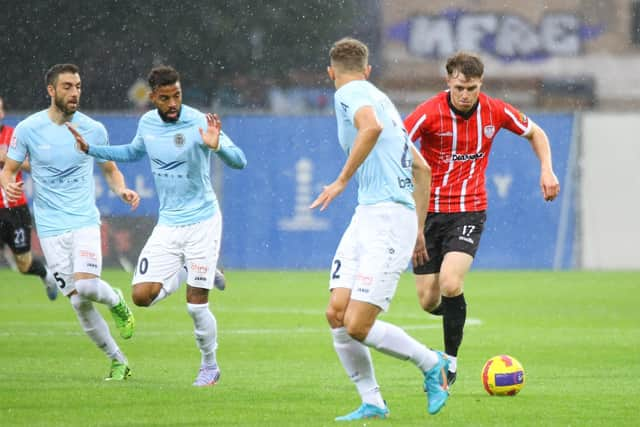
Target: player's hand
[420,254]
[130,197]
[329,193]
[549,185]
[81,144]
[14,190]
[3,155]
[211,137]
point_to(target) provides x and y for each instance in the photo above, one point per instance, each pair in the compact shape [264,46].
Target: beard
[62,106]
[165,118]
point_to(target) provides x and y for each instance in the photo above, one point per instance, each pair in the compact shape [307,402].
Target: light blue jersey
[64,188]
[180,163]
[385,175]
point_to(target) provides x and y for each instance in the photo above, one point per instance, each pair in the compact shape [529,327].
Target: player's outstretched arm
[549,184]
[120,153]
[116,183]
[217,141]
[369,129]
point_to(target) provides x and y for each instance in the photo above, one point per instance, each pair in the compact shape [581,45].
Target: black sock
[37,268]
[454,315]
[436,311]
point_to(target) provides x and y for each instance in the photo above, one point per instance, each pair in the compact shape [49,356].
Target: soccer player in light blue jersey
[185,244]
[376,248]
[66,216]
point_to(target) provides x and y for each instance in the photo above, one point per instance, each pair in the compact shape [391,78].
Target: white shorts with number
[374,251]
[169,248]
[76,251]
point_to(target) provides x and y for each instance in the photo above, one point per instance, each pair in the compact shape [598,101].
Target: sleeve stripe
[415,127]
[524,129]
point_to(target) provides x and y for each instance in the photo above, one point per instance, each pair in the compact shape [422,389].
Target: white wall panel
[610,191]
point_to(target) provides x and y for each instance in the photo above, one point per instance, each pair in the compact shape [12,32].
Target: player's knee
[429,300]
[23,262]
[79,303]
[23,266]
[450,286]
[358,331]
[141,296]
[334,317]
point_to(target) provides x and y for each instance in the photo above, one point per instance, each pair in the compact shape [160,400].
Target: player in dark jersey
[15,222]
[455,130]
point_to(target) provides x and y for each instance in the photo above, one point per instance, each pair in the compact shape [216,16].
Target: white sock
[356,360]
[206,330]
[453,363]
[97,290]
[95,326]
[171,285]
[394,341]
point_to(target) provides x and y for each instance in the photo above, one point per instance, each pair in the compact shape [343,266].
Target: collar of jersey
[464,114]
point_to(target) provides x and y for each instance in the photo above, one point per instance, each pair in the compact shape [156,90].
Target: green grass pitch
[576,333]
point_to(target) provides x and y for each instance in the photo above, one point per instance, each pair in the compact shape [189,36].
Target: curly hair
[162,75]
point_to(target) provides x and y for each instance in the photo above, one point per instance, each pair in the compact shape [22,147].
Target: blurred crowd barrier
[267,223]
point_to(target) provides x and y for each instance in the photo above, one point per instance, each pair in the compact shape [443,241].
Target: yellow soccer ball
[503,376]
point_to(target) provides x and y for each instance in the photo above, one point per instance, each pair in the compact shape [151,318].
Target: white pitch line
[189,332]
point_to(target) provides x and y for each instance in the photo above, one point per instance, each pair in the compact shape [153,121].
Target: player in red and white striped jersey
[15,222]
[455,130]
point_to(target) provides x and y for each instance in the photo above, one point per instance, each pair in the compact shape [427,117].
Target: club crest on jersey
[489,131]
[179,139]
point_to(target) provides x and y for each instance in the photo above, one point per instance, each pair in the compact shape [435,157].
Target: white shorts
[169,248]
[76,251]
[374,251]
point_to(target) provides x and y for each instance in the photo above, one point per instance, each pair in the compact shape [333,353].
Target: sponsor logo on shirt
[168,166]
[14,141]
[61,173]
[461,157]
[405,183]
[444,133]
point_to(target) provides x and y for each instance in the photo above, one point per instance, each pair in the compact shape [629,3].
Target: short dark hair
[51,77]
[466,63]
[162,75]
[349,54]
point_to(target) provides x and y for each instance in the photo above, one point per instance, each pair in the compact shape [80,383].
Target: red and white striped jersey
[6,133]
[457,147]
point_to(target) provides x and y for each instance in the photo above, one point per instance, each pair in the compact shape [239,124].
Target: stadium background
[572,65]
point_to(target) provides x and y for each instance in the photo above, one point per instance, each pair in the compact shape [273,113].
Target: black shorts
[450,232]
[15,228]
